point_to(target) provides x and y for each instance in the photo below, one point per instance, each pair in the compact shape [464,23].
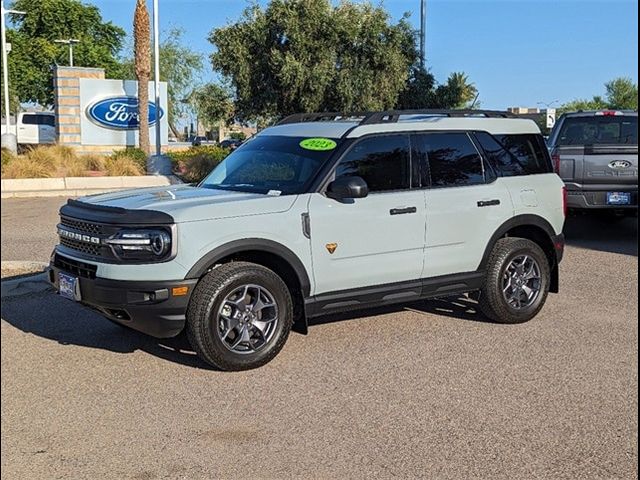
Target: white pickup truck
[33,128]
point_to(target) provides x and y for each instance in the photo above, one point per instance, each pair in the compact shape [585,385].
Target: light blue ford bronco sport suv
[319,214]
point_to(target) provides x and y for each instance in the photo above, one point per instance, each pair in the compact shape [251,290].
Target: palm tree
[465,91]
[142,53]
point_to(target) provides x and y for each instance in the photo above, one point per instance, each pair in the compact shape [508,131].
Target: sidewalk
[79,186]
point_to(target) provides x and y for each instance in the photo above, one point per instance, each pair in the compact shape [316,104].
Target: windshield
[276,165]
[599,130]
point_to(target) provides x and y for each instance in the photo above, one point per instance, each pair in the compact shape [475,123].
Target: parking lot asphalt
[429,390]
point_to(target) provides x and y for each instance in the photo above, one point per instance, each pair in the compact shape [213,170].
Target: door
[465,203]
[28,128]
[375,240]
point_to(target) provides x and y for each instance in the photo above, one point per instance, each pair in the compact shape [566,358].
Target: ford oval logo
[121,113]
[619,164]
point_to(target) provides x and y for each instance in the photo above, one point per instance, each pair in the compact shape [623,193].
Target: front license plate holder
[68,286]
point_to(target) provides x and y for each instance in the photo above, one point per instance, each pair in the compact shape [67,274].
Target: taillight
[565,208]
[555,158]
[609,113]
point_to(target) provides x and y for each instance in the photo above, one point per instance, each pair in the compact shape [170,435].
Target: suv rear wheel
[517,281]
[239,316]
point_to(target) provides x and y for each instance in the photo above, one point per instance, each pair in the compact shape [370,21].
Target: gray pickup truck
[596,154]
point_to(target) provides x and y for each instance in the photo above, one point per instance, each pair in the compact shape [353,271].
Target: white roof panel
[495,126]
[337,129]
[310,129]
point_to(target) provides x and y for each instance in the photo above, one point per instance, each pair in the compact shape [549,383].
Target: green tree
[297,56]
[458,92]
[142,61]
[422,91]
[213,104]
[621,93]
[34,52]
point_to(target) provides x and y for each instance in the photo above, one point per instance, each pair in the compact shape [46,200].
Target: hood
[186,203]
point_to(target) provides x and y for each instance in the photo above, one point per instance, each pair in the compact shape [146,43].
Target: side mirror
[347,187]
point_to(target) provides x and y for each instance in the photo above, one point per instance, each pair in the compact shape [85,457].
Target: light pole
[423,32]
[156,74]
[5,68]
[71,42]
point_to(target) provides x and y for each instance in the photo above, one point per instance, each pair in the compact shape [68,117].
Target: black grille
[82,247]
[75,267]
[93,251]
[80,226]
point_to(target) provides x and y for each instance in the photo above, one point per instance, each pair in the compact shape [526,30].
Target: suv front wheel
[516,283]
[239,316]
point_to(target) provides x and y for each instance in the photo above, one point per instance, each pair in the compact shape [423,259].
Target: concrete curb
[79,186]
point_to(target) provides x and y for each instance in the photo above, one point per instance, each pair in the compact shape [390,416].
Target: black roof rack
[388,116]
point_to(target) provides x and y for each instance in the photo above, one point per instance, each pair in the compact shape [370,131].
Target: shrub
[237,136]
[122,166]
[44,156]
[134,154]
[25,167]
[72,167]
[7,157]
[197,162]
[61,153]
[95,162]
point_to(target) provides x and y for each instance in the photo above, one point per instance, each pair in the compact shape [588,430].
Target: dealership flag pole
[156,74]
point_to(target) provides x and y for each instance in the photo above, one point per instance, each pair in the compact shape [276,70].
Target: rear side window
[599,130]
[383,162]
[514,155]
[452,159]
[38,120]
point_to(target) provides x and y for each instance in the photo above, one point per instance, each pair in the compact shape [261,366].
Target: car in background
[33,128]
[201,140]
[231,143]
[596,155]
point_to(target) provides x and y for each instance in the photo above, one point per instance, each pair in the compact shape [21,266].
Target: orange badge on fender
[331,247]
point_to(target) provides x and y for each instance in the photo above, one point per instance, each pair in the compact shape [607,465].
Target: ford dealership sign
[109,113]
[121,113]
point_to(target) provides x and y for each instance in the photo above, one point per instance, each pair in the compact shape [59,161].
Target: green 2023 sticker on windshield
[319,144]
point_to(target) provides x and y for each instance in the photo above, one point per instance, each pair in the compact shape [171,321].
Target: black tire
[492,302]
[206,302]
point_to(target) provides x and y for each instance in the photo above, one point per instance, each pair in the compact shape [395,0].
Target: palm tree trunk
[142,49]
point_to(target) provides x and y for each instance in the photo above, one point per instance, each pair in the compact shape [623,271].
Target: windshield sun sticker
[318,144]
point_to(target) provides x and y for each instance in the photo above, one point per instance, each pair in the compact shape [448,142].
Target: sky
[517,52]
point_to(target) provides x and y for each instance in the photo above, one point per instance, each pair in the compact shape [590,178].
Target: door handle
[488,203]
[403,210]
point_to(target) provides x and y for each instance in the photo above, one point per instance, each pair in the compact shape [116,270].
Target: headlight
[151,244]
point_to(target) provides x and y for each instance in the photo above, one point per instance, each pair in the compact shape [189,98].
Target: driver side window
[382,161]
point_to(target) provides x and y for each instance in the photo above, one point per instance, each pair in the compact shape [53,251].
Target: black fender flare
[524,220]
[252,244]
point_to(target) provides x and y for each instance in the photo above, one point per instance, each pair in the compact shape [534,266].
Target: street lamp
[71,42]
[547,104]
[5,66]
[423,33]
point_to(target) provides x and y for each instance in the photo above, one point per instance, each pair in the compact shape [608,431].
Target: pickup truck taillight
[565,209]
[555,158]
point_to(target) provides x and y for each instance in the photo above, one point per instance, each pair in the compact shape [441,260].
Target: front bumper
[147,306]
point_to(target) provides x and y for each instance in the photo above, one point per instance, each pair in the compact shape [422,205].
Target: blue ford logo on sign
[121,113]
